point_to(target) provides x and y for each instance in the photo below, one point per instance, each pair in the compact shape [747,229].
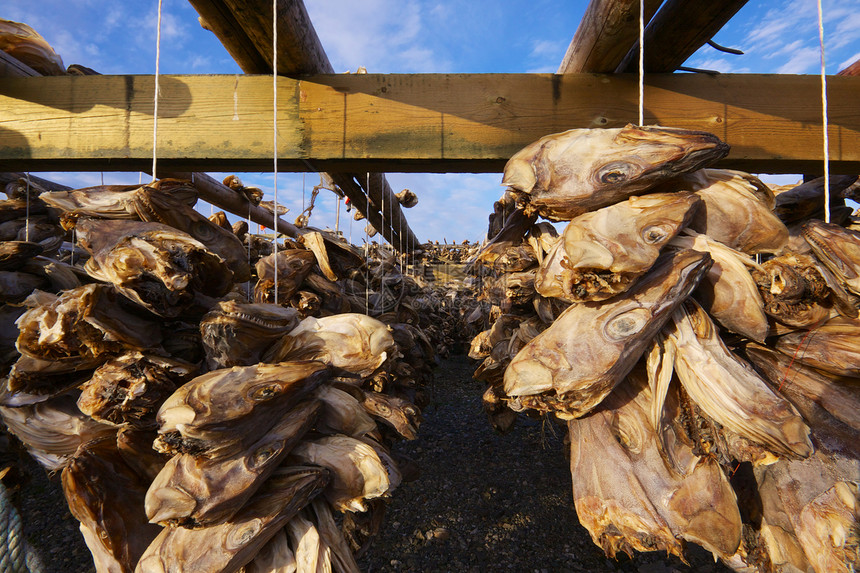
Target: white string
[27,213]
[367,249]
[249,237]
[824,117]
[155,104]
[275,124]
[641,62]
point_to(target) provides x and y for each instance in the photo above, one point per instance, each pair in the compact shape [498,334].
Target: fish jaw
[566,174]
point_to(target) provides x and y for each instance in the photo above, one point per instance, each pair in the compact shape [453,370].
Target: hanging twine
[275,130]
[155,98]
[641,62]
[27,213]
[824,117]
[367,250]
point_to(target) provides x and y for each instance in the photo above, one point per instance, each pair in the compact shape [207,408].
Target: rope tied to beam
[275,131]
[641,62]
[824,122]
[155,97]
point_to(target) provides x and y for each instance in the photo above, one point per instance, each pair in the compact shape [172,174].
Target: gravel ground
[483,502]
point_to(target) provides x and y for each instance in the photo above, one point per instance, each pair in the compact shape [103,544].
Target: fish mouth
[685,150]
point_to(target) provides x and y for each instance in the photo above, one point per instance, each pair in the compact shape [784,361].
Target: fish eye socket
[654,234]
[627,324]
[614,173]
[264,454]
[264,392]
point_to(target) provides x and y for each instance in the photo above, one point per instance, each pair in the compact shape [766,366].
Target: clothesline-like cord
[155,98]
[641,62]
[824,117]
[275,130]
[367,250]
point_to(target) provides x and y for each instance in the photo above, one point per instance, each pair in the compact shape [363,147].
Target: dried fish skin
[342,558]
[28,46]
[608,249]
[13,254]
[53,430]
[157,266]
[728,291]
[114,201]
[802,384]
[130,388]
[87,322]
[342,413]
[276,556]
[396,412]
[806,200]
[294,266]
[223,412]
[795,293]
[838,248]
[307,546]
[15,286]
[358,473]
[354,342]
[237,334]
[106,496]
[738,210]
[33,380]
[610,501]
[566,174]
[831,347]
[728,390]
[228,546]
[572,365]
[827,529]
[198,492]
[700,505]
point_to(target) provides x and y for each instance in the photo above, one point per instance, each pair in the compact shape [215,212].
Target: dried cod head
[572,365]
[157,266]
[566,174]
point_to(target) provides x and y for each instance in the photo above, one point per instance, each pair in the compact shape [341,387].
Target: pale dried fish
[833,347]
[294,265]
[566,174]
[605,251]
[838,248]
[354,342]
[358,474]
[572,365]
[198,492]
[230,545]
[728,390]
[223,412]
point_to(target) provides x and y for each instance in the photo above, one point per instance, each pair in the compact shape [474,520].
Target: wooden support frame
[415,122]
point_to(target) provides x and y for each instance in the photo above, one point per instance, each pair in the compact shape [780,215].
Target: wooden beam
[246,26]
[421,122]
[607,30]
[679,29]
[12,67]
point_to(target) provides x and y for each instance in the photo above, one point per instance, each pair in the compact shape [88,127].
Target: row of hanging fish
[197,424]
[697,333]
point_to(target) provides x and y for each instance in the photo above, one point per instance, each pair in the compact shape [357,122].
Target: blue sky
[409,36]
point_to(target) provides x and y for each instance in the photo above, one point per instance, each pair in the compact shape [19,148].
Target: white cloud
[850,60]
[803,60]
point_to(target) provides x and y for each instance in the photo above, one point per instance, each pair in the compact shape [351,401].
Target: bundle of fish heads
[696,332]
[195,429]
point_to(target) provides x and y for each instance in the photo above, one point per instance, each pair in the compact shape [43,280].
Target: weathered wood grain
[420,122]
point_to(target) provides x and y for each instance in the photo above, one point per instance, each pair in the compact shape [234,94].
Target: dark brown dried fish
[294,265]
[157,266]
[572,365]
[806,201]
[226,547]
[794,291]
[130,388]
[106,496]
[88,322]
[566,174]
[237,334]
[223,412]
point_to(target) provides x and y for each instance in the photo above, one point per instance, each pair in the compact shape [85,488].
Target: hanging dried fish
[566,174]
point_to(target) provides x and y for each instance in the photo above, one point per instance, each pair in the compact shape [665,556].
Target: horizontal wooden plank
[414,122]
